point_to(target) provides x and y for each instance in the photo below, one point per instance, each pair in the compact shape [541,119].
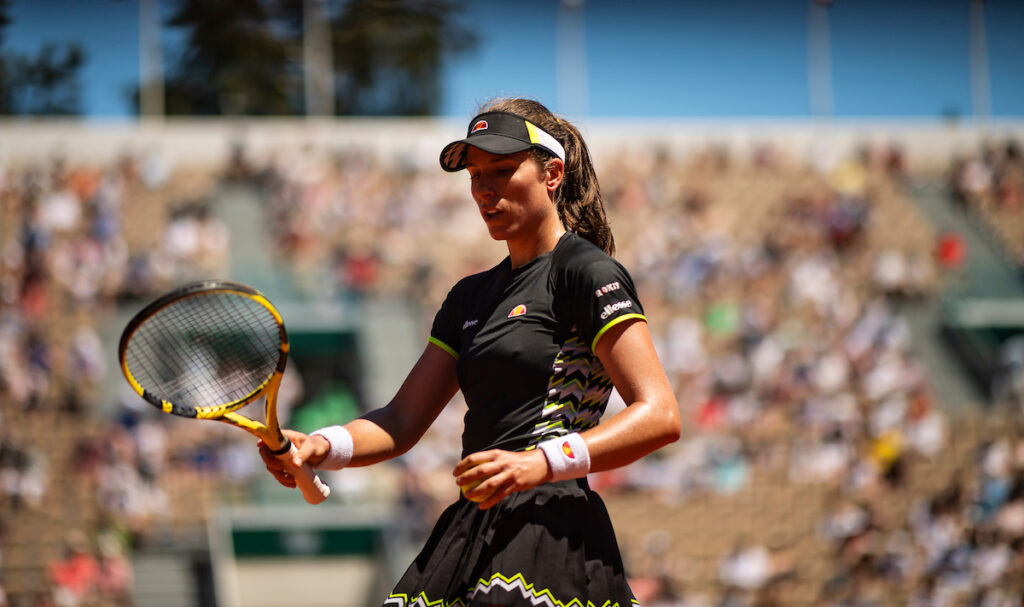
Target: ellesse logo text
[615,307]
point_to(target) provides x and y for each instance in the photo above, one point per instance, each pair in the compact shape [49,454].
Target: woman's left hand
[500,474]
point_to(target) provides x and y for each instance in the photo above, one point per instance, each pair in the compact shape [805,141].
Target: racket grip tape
[313,489]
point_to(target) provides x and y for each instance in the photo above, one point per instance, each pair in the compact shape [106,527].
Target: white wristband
[341,447]
[567,455]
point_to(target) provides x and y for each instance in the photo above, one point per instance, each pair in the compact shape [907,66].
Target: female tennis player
[535,344]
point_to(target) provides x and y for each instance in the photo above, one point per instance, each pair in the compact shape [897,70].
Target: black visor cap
[494,132]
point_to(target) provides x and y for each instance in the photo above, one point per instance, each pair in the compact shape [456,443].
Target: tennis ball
[472,485]
[467,488]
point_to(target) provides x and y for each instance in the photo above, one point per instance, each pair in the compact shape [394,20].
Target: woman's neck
[522,253]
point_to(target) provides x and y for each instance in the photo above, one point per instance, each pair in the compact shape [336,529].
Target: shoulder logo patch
[517,311]
[608,288]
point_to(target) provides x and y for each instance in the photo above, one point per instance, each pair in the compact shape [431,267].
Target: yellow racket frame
[270,432]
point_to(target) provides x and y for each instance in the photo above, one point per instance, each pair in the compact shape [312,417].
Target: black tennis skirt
[551,546]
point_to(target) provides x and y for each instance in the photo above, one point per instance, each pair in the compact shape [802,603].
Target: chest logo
[517,311]
[468,324]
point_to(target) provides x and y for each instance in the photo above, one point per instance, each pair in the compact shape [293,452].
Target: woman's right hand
[311,449]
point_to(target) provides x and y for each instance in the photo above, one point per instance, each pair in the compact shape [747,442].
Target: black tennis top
[524,340]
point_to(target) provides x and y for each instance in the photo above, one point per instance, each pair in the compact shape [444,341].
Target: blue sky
[107,29]
[646,58]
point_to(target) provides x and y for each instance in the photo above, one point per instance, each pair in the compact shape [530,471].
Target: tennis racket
[206,350]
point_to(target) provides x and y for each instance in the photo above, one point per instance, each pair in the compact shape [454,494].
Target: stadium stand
[821,465]
[990,184]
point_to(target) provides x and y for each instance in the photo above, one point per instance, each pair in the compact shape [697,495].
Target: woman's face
[512,193]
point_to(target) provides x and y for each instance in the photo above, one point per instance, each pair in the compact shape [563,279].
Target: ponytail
[578,199]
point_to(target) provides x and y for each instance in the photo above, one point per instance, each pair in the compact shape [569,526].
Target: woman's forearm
[641,428]
[392,430]
[378,436]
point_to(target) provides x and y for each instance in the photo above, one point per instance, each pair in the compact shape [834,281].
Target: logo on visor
[517,311]
[479,126]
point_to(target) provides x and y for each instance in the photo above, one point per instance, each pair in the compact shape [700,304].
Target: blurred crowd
[778,290]
[961,544]
[990,184]
[78,484]
[788,348]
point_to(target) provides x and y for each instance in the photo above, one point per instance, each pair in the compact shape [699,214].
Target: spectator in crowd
[76,576]
[748,566]
[115,571]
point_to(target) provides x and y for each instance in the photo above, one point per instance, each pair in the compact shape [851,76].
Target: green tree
[233,61]
[246,56]
[44,84]
[47,84]
[388,54]
[5,91]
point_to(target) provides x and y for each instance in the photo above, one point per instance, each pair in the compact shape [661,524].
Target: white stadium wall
[927,144]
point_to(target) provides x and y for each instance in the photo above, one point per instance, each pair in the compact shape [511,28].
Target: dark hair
[578,198]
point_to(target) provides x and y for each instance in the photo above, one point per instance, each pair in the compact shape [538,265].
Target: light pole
[981,102]
[571,73]
[819,59]
[151,61]
[317,59]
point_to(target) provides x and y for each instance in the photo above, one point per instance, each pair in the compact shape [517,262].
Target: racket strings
[205,351]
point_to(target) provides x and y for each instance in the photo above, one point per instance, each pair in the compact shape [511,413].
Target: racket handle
[313,489]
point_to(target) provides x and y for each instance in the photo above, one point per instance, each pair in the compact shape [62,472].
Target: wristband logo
[517,311]
[567,450]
